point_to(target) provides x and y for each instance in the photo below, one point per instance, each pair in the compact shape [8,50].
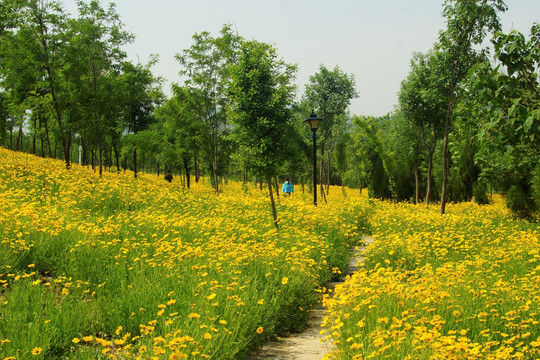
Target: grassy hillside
[460,286]
[115,267]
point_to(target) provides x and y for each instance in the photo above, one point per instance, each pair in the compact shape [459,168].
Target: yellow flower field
[141,268]
[129,268]
[465,285]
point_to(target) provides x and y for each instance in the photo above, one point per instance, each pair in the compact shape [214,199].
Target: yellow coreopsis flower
[194,316]
[260,330]
[36,351]
[284,281]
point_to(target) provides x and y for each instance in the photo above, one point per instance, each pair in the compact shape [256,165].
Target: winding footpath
[309,345]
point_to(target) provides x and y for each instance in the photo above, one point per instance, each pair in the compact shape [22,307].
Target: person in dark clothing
[169,176]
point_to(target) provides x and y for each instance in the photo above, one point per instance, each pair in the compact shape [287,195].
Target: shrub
[518,202]
[479,193]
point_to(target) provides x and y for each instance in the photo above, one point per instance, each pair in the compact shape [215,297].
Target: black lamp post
[313,122]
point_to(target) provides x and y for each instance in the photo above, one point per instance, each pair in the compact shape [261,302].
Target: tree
[261,94]
[182,130]
[206,65]
[141,94]
[468,21]
[95,50]
[329,93]
[33,51]
[422,102]
[371,142]
[509,103]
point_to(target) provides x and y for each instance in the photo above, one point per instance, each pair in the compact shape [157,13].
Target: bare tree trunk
[186,169]
[84,152]
[274,213]
[100,160]
[117,156]
[20,138]
[445,150]
[34,135]
[328,174]
[47,136]
[324,197]
[42,145]
[277,187]
[135,161]
[429,170]
[197,171]
[417,183]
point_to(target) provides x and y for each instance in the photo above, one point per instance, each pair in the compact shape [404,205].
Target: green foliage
[480,193]
[261,91]
[517,201]
[468,22]
[535,185]
[509,133]
[206,64]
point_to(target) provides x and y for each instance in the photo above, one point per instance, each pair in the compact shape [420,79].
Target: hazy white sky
[373,40]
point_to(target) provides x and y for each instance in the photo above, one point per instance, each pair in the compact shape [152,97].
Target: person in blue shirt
[287,187]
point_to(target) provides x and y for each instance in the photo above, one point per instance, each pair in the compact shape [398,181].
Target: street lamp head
[313,121]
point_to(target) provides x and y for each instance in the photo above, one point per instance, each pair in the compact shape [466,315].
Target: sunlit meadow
[465,285]
[126,268]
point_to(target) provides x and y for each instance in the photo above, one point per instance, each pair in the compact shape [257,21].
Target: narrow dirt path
[309,345]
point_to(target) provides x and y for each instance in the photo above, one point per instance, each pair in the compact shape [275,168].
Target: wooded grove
[467,121]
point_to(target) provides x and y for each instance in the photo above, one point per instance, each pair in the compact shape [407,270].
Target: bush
[535,185]
[479,194]
[517,201]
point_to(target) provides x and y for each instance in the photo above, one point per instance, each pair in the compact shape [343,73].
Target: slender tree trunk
[48,137]
[277,187]
[34,136]
[274,213]
[42,145]
[445,149]
[157,165]
[92,158]
[100,160]
[328,174]
[260,183]
[302,180]
[214,170]
[197,171]
[428,180]
[324,197]
[84,152]
[19,138]
[117,156]
[11,137]
[135,161]
[186,169]
[417,183]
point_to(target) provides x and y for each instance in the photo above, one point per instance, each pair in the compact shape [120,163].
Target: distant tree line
[465,125]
